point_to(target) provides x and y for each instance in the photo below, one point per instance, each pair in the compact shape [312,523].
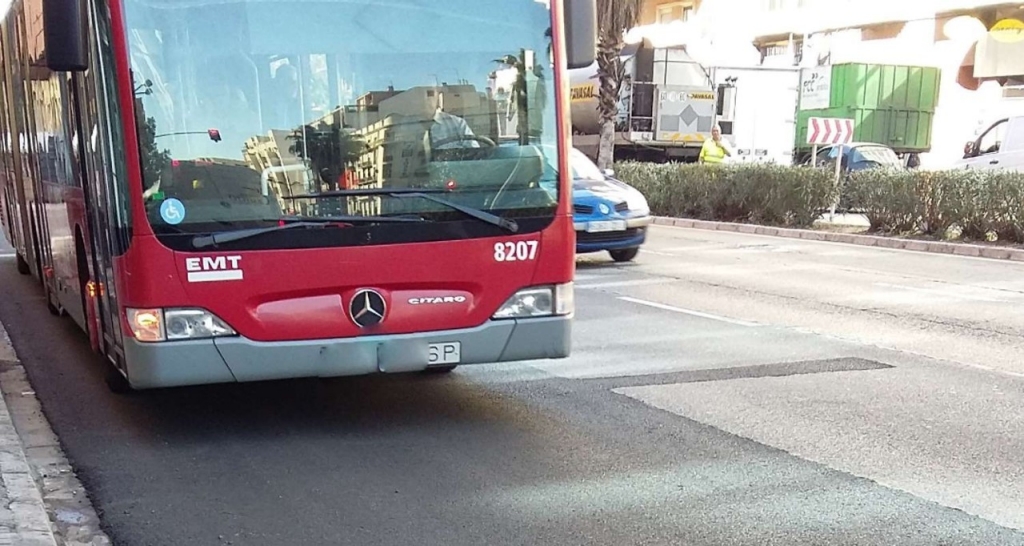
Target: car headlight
[154,325]
[544,301]
[637,203]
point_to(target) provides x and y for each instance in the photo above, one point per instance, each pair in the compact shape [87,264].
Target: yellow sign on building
[1007,31]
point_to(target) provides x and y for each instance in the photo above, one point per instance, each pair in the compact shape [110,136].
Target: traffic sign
[824,131]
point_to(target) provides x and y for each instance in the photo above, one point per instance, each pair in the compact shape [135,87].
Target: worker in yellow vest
[714,151]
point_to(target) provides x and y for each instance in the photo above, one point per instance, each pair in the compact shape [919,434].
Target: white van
[1001,146]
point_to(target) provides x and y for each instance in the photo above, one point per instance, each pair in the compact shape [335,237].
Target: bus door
[91,171]
[18,203]
[41,147]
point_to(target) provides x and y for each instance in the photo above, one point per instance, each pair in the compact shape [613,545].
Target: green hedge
[760,194]
[969,205]
[948,204]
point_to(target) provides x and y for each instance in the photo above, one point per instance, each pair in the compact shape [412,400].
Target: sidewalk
[23,518]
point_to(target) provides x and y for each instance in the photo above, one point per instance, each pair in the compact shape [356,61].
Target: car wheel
[624,254]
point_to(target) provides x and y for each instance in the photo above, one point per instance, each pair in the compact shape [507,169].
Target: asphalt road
[724,389]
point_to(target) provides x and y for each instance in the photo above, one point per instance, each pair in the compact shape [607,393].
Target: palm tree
[614,18]
[329,151]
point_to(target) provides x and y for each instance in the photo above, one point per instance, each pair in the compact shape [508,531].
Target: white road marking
[941,293]
[584,277]
[656,253]
[618,284]
[676,248]
[688,312]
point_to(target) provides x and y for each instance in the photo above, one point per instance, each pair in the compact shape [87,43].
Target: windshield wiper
[203,241]
[420,193]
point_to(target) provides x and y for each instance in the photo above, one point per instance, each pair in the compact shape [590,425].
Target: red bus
[248,190]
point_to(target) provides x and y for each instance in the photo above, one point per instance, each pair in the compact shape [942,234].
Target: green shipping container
[902,130]
[873,86]
[890,104]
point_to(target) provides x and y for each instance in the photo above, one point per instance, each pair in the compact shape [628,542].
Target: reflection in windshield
[244,105]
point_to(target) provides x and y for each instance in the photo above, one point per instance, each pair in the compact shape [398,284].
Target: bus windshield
[250,111]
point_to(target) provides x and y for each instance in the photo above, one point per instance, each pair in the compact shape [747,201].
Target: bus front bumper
[237,359]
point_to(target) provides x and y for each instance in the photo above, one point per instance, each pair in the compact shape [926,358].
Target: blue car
[608,214]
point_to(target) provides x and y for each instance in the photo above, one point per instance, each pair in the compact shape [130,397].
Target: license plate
[607,225]
[445,353]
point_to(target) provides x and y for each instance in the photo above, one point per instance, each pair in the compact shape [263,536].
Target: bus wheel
[23,265]
[116,381]
[438,370]
[53,309]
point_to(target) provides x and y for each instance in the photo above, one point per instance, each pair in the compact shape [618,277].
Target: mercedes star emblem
[367,308]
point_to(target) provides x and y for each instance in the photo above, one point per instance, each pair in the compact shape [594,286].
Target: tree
[330,150]
[154,160]
[614,18]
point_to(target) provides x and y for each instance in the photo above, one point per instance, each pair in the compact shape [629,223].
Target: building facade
[982,70]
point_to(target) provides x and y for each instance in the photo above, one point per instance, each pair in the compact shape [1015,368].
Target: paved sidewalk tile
[23,518]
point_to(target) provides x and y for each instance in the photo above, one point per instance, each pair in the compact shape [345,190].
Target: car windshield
[582,167]
[246,106]
[879,155]
[865,156]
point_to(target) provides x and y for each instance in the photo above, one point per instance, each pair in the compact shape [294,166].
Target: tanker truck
[667,106]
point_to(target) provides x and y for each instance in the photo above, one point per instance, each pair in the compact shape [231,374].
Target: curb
[937,247]
[23,516]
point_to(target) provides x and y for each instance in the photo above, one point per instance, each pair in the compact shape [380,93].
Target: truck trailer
[667,106]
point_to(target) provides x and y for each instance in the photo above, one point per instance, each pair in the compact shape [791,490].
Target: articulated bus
[244,190]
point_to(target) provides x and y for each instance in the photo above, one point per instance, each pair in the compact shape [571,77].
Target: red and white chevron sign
[829,131]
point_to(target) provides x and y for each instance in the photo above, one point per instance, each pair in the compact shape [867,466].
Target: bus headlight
[154,325]
[194,324]
[542,301]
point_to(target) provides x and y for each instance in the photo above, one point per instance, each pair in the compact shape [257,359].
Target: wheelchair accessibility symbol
[172,211]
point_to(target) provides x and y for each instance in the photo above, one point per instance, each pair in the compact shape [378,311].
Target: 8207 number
[519,251]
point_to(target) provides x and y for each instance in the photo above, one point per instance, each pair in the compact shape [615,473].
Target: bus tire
[53,309]
[23,267]
[116,381]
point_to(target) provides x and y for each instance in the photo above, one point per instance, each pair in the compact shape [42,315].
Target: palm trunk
[606,146]
[614,18]
[610,72]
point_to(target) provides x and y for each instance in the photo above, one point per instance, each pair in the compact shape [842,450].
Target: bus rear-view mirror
[64,35]
[580,33]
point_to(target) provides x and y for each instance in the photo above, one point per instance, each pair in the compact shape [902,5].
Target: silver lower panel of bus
[237,359]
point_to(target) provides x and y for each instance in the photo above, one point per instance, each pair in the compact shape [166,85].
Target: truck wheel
[23,265]
[624,254]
